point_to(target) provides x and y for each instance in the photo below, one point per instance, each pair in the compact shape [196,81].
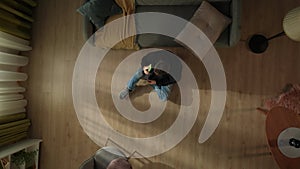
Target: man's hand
[152,82]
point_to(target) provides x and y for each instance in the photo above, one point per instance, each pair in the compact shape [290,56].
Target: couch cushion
[210,21]
[155,40]
[186,12]
[231,8]
[98,10]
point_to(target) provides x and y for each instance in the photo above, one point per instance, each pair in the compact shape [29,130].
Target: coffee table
[278,121]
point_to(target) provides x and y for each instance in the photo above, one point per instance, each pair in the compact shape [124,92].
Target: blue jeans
[162,91]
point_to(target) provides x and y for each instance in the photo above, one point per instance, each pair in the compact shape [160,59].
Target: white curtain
[15,24]
[11,92]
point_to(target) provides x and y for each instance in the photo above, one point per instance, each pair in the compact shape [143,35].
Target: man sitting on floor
[160,69]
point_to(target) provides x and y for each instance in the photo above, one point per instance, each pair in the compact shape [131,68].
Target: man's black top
[172,75]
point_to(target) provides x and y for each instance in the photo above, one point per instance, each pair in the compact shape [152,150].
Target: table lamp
[291,28]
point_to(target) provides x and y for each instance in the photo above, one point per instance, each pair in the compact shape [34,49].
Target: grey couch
[184,9]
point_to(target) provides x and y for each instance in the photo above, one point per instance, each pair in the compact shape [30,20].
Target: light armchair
[108,157]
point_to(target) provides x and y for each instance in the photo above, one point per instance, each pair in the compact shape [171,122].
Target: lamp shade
[291,24]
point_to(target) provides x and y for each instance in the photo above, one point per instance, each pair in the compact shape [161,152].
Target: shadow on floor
[173,97]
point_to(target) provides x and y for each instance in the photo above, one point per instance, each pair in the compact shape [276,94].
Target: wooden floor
[238,143]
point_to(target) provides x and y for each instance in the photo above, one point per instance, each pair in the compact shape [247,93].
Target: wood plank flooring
[238,143]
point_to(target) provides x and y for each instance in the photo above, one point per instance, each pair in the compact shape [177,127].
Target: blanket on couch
[117,34]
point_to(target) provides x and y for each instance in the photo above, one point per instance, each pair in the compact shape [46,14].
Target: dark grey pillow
[99,10]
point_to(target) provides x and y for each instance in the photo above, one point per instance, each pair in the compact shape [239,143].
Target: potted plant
[21,158]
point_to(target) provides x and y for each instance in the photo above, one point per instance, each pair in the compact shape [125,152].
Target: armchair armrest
[88,164]
[232,33]
[235,28]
